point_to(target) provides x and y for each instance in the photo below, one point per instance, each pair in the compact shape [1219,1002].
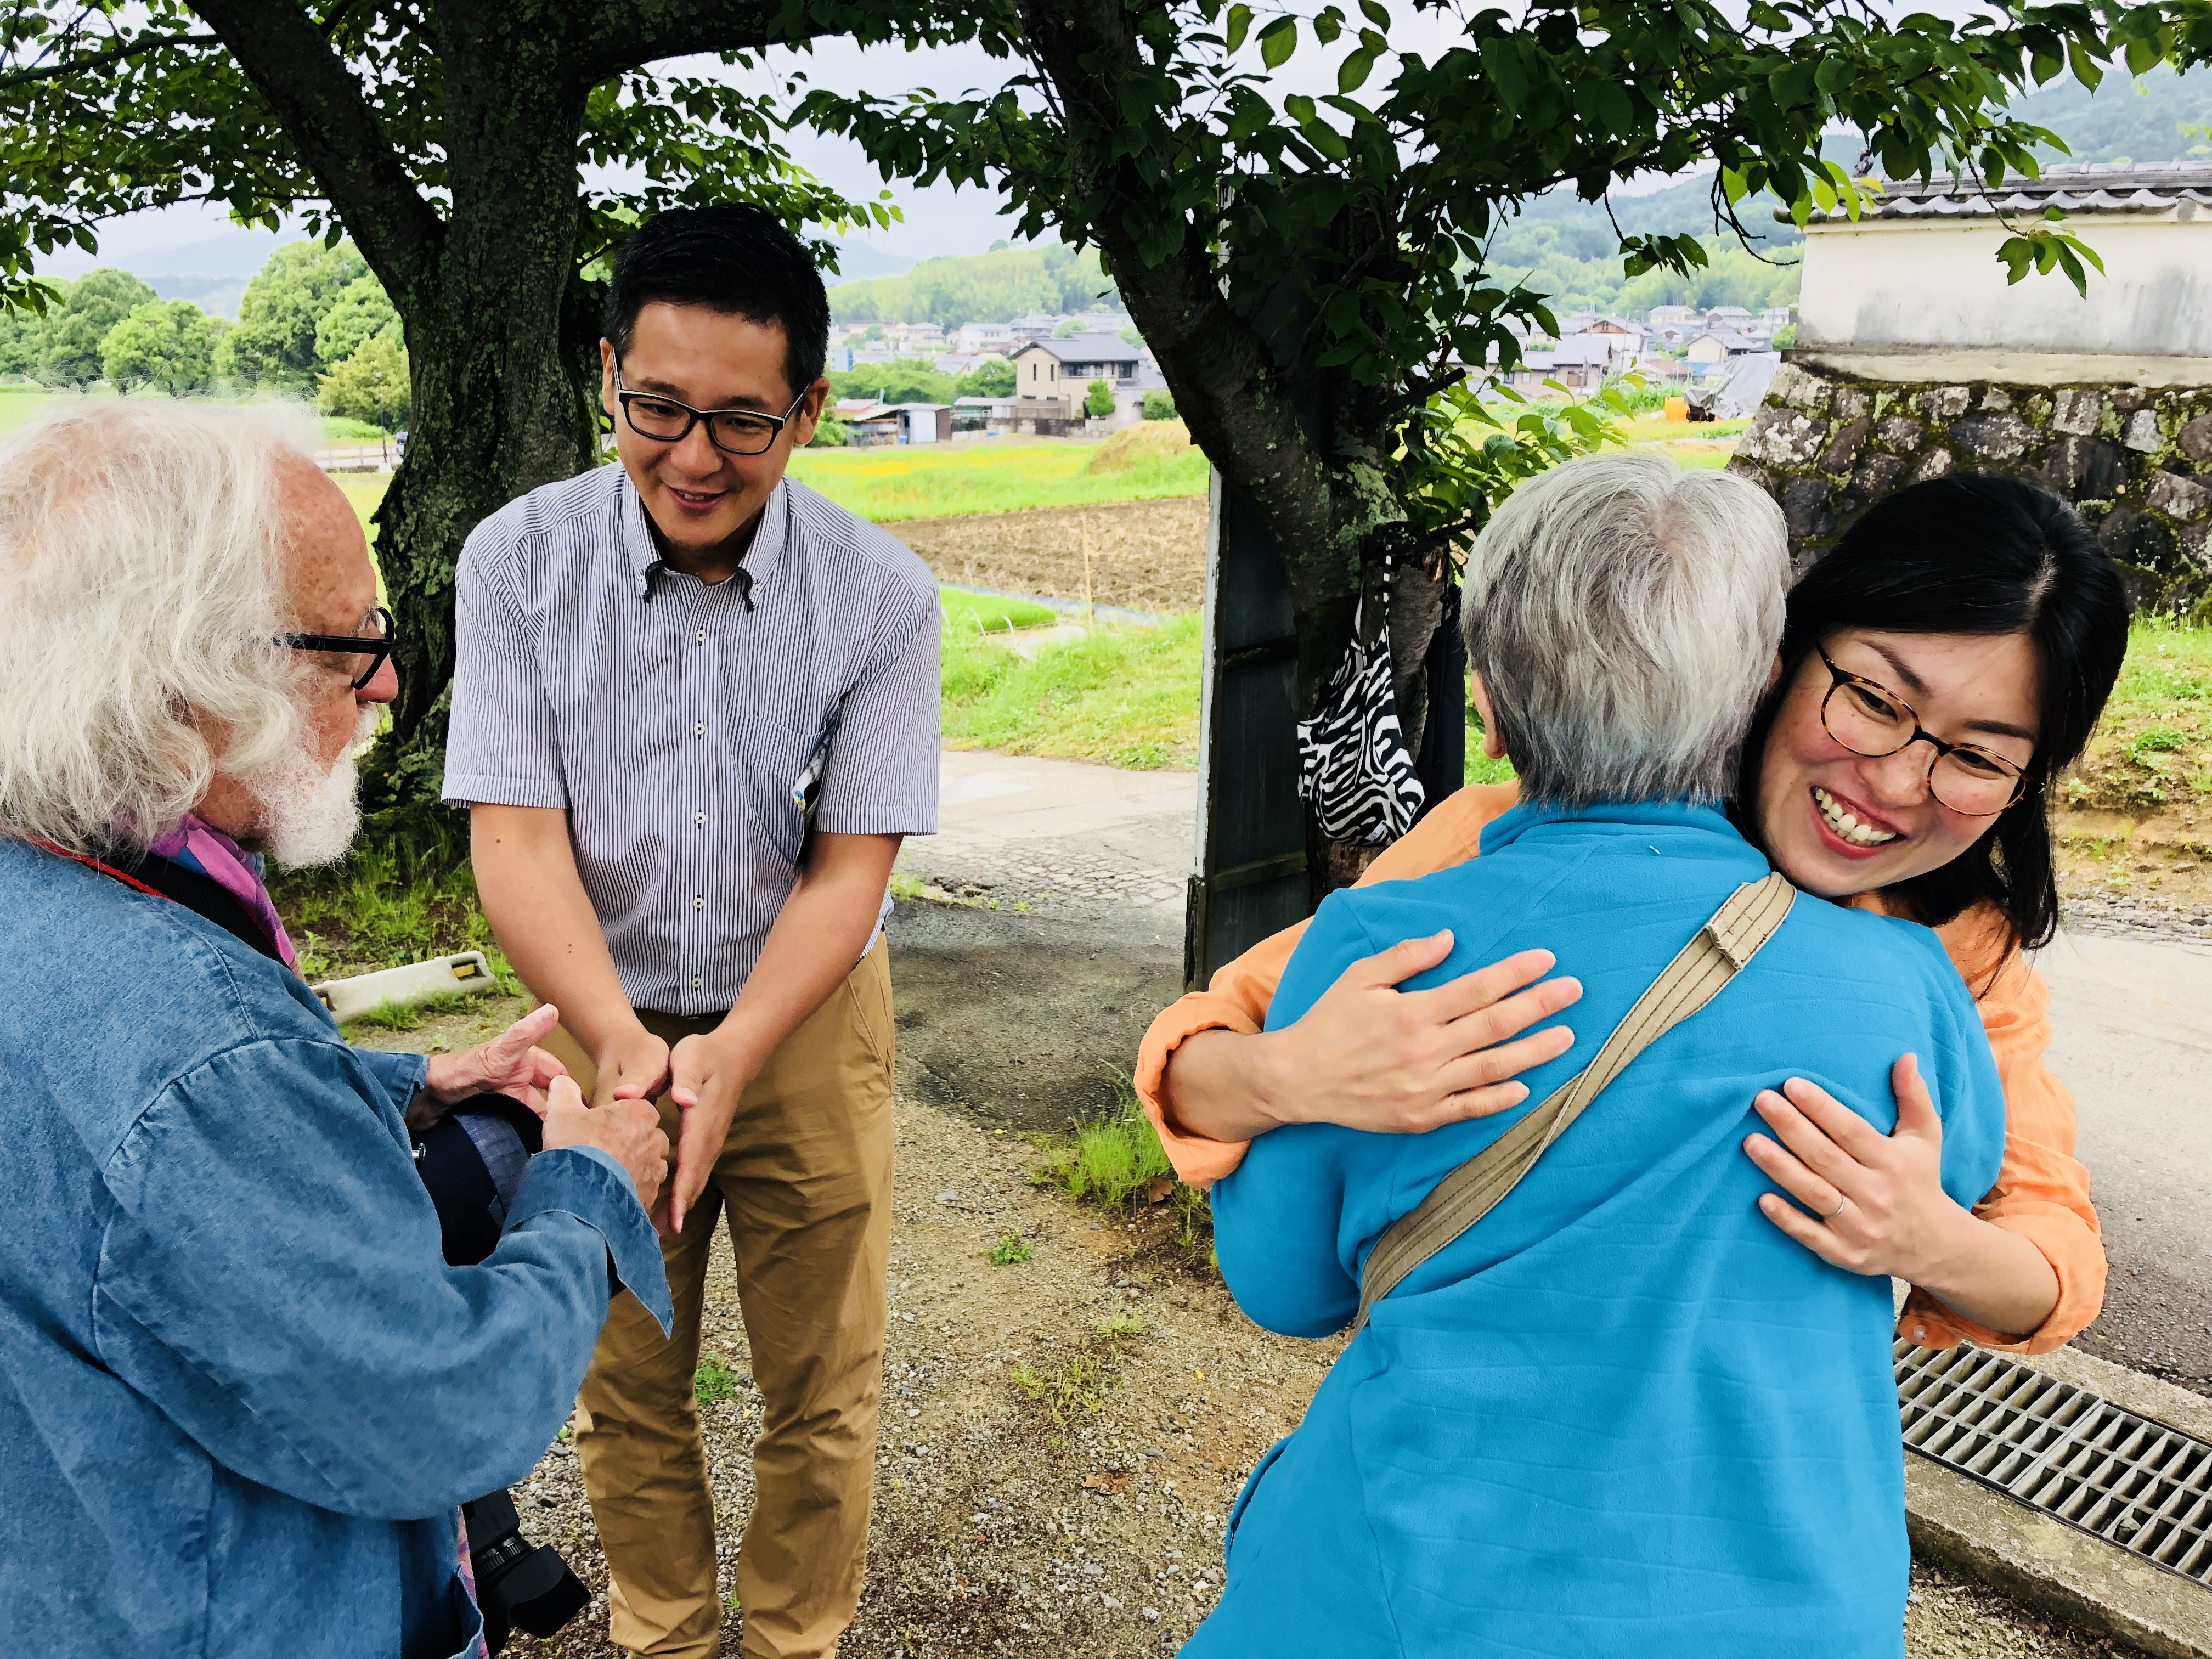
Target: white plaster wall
[1891,285]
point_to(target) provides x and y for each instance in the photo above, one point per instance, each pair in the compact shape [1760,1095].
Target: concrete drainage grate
[2061,1450]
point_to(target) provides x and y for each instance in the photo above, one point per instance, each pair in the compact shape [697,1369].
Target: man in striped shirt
[695,709]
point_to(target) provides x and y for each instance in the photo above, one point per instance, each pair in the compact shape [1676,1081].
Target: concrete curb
[1976,1531]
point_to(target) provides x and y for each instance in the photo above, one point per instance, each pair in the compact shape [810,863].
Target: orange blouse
[2042,1193]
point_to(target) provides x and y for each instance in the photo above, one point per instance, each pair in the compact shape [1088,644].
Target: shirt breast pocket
[768,758]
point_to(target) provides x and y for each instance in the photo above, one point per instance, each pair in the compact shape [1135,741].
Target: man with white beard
[242,1393]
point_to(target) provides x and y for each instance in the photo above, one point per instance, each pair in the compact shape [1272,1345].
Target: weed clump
[1118,1162]
[1011,1251]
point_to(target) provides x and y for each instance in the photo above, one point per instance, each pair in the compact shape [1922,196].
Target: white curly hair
[141,593]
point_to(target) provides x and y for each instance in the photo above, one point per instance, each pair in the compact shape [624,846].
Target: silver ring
[1842,1203]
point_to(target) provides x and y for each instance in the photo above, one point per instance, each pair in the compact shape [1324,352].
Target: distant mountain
[233,255]
[996,286]
[218,296]
[2126,119]
[856,260]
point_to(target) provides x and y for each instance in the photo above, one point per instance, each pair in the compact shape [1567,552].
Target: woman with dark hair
[1937,670]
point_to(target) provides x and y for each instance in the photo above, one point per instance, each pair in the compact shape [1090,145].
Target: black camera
[471,1161]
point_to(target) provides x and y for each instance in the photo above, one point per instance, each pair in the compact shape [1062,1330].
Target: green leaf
[1377,13]
[1240,24]
[1352,73]
[2085,68]
[1277,41]
[2143,55]
[1299,107]
[1328,26]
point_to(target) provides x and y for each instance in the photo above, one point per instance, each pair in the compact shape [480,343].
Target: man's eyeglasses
[377,647]
[1868,718]
[732,431]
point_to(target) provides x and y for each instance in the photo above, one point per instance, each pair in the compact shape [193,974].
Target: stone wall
[2137,463]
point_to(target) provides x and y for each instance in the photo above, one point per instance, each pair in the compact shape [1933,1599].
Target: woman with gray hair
[1595,1401]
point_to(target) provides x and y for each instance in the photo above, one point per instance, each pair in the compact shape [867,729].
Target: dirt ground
[1145,556]
[1062,1435]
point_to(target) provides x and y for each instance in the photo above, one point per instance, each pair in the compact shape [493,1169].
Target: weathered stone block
[2196,546]
[1744,469]
[2135,538]
[1851,403]
[2076,411]
[2178,497]
[2196,439]
[1808,507]
[1947,403]
[2141,433]
[1782,437]
[1997,400]
[1993,437]
[1938,463]
[1843,449]
[1794,387]
[2128,398]
[1876,476]
[1901,433]
[2086,469]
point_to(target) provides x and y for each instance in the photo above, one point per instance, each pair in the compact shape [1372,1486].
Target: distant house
[1066,366]
[1614,325]
[1727,316]
[1675,316]
[1580,363]
[984,336]
[1714,345]
[873,424]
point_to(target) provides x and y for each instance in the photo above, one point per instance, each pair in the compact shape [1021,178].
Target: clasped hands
[705,1075]
[626,1128]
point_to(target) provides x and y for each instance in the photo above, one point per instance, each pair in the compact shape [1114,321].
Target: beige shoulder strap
[1687,984]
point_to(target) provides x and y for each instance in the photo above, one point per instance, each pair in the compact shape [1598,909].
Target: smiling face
[1837,823]
[703,501]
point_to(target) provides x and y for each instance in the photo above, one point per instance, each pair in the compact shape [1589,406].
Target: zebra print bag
[1353,768]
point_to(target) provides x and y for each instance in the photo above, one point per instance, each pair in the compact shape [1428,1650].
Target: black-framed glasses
[1868,718]
[732,431]
[377,647]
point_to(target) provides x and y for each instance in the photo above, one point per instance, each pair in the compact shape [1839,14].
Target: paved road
[2132,1022]
[1096,860]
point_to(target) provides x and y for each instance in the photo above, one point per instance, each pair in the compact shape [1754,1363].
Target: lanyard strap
[207,899]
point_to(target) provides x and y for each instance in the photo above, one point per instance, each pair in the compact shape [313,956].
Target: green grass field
[886,485]
[1121,696]
[990,613]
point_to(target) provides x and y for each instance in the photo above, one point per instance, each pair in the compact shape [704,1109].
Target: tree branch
[338,138]
[614,37]
[99,59]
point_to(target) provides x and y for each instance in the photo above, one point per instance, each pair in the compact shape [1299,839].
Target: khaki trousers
[806,1178]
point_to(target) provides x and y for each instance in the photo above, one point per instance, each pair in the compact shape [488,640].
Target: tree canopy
[68,343]
[168,344]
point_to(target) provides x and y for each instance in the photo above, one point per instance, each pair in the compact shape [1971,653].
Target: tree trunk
[501,340]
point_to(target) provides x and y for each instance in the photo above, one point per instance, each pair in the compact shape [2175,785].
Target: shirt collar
[1607,817]
[763,559]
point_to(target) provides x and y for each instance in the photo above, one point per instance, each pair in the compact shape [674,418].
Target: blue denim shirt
[241,1393]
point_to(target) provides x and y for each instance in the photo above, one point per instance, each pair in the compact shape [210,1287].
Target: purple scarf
[198,846]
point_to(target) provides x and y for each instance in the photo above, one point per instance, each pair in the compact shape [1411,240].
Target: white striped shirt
[672,718]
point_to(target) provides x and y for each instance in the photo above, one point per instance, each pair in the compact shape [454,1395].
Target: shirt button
[700,820]
[700,730]
[1919,1333]
[695,984]
[700,637]
[698,904]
